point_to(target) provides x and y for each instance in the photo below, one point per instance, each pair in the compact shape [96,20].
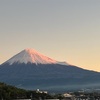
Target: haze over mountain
[30,69]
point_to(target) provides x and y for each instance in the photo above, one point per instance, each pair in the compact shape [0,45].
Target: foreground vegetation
[8,92]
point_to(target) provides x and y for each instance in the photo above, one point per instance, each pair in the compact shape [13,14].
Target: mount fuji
[30,69]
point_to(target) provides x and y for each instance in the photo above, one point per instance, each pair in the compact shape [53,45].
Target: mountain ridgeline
[32,70]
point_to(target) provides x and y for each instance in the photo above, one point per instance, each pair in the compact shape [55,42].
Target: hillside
[8,92]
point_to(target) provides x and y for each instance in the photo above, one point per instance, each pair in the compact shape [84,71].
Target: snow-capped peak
[32,56]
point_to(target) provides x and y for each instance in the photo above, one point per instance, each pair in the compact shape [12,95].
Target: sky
[65,30]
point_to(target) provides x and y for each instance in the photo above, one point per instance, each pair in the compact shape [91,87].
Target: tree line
[8,92]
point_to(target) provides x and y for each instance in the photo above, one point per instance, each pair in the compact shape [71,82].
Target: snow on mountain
[31,56]
[63,63]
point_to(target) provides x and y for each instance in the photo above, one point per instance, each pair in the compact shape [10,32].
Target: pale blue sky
[66,30]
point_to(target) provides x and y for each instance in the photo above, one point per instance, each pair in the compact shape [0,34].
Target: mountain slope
[32,56]
[51,75]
